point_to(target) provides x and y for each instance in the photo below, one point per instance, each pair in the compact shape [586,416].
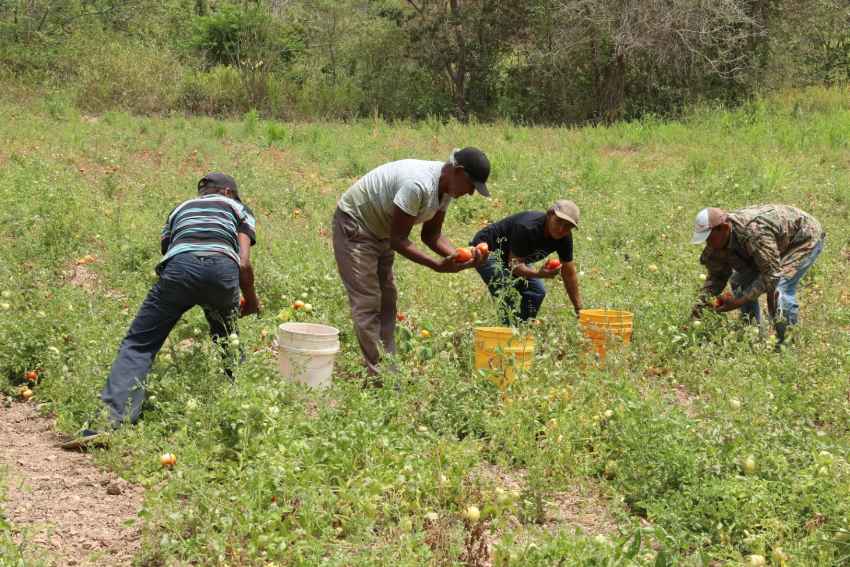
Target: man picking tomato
[760,249]
[373,221]
[206,246]
[521,240]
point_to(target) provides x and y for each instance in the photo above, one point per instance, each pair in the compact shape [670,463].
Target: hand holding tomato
[723,298]
[451,264]
[463,255]
[726,302]
[482,252]
[550,269]
[249,305]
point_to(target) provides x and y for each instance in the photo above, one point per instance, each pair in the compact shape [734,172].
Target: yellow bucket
[500,352]
[600,325]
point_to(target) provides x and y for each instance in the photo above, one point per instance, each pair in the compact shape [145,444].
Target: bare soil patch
[618,151]
[65,510]
[79,274]
[677,393]
[582,507]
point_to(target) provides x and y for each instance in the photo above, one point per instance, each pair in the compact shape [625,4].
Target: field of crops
[692,446]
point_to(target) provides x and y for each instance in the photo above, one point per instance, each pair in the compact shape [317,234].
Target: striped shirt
[209,224]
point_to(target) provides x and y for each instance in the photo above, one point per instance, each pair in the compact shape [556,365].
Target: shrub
[224,90]
[131,76]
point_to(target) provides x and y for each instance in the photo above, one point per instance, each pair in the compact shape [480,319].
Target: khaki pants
[365,265]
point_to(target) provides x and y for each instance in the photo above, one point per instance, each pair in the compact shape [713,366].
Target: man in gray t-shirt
[373,220]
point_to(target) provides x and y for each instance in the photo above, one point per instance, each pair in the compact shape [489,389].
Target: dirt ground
[65,510]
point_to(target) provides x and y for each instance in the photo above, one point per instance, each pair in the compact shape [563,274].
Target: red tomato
[721,299]
[553,264]
[463,255]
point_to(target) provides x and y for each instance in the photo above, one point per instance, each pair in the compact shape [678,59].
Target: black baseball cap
[476,165]
[220,181]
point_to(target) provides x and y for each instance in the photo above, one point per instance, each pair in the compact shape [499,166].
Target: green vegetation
[655,444]
[535,61]
[8,550]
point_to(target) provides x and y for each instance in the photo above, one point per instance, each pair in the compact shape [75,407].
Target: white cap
[706,220]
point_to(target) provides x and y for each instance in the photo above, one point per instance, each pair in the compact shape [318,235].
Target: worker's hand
[546,274]
[251,305]
[449,266]
[479,258]
[728,305]
[577,309]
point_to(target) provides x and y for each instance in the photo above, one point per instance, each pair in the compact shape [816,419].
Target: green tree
[460,42]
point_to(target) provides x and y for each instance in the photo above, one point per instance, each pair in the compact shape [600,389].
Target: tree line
[535,61]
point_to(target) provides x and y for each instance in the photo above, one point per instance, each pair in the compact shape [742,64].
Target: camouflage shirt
[770,240]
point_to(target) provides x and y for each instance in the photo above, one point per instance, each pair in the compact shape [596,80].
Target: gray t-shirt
[410,184]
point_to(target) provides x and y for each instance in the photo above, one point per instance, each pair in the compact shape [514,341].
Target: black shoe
[87,438]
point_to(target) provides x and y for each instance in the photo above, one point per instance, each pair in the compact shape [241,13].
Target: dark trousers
[185,281]
[505,287]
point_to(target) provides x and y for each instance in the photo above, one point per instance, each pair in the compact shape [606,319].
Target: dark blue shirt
[523,235]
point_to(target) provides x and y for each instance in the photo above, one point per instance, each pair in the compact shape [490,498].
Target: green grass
[11,554]
[270,473]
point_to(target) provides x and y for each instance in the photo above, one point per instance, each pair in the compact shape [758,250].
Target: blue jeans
[185,281]
[502,286]
[788,310]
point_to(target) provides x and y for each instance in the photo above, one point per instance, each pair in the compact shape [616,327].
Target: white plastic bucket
[307,352]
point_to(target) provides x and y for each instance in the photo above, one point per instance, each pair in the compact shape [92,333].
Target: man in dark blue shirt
[520,240]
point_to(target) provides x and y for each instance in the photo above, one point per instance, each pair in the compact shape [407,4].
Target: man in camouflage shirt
[761,249]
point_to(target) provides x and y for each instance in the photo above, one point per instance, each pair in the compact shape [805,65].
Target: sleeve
[565,249]
[246,224]
[719,273]
[762,247]
[410,198]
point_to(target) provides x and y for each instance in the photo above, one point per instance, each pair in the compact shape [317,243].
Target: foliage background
[538,61]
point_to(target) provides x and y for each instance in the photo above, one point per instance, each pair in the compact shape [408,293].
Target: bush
[244,38]
[224,90]
[217,91]
[131,76]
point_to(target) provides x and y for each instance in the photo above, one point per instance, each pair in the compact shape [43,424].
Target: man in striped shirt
[206,247]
